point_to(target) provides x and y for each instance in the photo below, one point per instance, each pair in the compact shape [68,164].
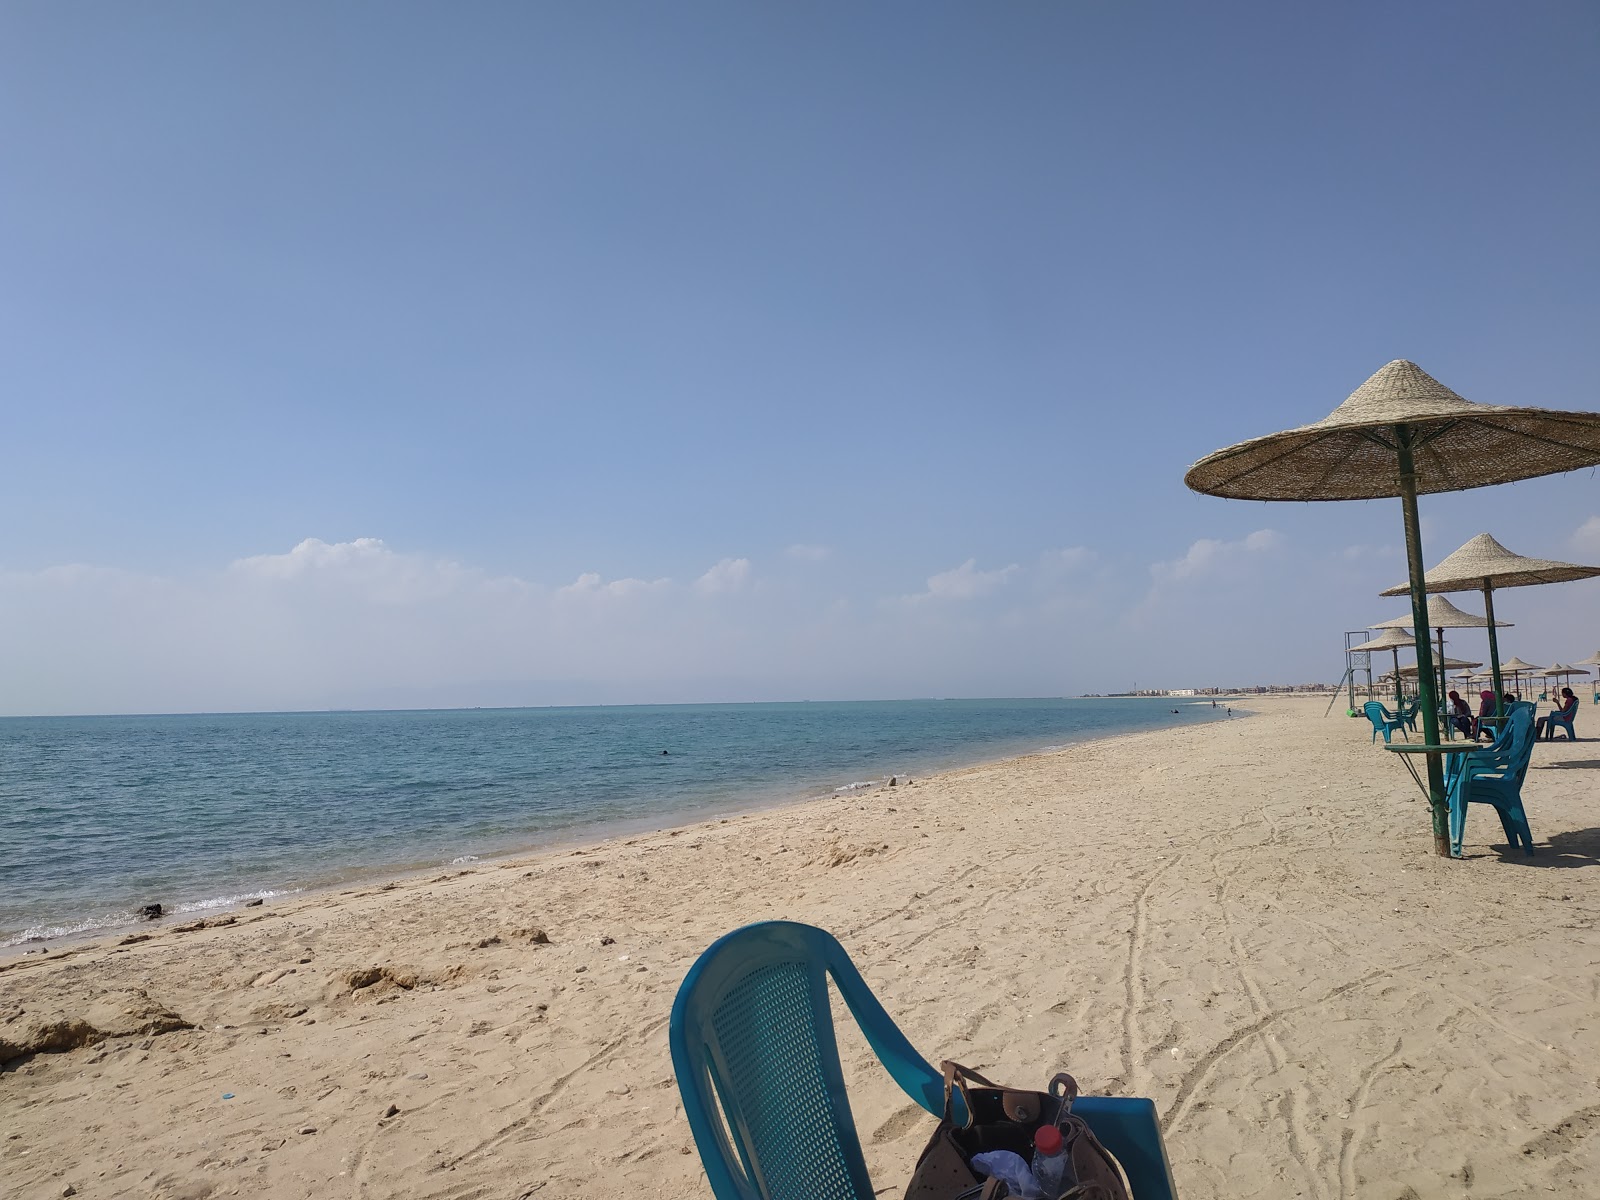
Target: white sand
[1244,921]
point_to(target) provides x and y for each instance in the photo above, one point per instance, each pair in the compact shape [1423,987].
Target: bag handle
[1062,1087]
[956,1078]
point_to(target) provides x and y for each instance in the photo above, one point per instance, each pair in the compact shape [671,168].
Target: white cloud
[314,554]
[729,575]
[965,582]
[808,552]
[1586,539]
[1209,553]
[591,584]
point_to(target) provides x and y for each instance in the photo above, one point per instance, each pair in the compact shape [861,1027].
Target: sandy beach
[1244,921]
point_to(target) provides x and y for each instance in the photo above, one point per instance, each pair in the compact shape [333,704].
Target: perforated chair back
[758,1065]
[758,1069]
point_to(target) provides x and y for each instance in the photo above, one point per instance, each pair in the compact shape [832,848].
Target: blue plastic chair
[1494,776]
[1409,715]
[1558,719]
[1383,721]
[758,1069]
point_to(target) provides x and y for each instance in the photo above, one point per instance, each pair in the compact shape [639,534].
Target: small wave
[112,920]
[856,787]
[465,858]
[43,933]
[228,901]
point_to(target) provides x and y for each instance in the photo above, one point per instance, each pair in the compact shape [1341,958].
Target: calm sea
[99,815]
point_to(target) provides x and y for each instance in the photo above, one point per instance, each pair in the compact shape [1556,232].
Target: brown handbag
[1001,1118]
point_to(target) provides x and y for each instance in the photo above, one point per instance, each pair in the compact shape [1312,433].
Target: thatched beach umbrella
[1592,661]
[1442,615]
[1451,663]
[1561,671]
[1484,564]
[1394,640]
[1403,433]
[1518,669]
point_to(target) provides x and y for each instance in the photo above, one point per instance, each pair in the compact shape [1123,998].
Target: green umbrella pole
[1399,697]
[1419,617]
[1494,649]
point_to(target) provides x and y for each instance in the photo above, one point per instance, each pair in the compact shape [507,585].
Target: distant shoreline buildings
[1270,689]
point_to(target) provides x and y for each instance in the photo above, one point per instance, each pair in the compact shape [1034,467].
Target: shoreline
[592,837]
[589,836]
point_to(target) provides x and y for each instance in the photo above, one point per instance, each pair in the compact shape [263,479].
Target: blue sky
[713,351]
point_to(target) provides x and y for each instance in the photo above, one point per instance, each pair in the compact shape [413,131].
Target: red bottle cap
[1047,1140]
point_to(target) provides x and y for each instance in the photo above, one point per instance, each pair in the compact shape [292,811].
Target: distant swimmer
[664,752]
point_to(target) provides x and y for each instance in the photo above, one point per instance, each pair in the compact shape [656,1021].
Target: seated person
[1461,714]
[1545,727]
[1485,709]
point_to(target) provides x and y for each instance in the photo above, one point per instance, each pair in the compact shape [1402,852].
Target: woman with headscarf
[1485,709]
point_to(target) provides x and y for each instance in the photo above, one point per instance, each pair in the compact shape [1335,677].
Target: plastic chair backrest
[758,1066]
[758,1069]
[1520,752]
[1379,715]
[1510,753]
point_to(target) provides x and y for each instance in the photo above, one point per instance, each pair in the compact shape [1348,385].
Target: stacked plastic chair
[1384,721]
[1494,776]
[758,1069]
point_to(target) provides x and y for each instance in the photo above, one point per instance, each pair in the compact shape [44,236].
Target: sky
[414,355]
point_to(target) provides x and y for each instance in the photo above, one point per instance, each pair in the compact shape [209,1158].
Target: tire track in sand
[1350,1144]
[1133,976]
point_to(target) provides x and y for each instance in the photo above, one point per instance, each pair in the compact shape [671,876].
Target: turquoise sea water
[99,815]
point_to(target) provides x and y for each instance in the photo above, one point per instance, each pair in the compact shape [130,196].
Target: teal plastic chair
[1409,715]
[1383,721]
[758,1069]
[1494,776]
[1560,720]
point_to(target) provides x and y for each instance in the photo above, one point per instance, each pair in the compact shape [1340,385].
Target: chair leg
[1519,820]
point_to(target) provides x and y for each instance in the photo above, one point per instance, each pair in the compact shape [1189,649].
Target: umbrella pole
[1419,616]
[1449,725]
[1494,649]
[1399,696]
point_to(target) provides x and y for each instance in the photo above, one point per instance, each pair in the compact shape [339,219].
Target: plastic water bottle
[1051,1170]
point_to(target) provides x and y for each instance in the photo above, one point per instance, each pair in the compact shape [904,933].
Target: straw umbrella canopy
[1592,661]
[1442,615]
[1485,564]
[1452,664]
[1518,669]
[1403,433]
[1561,671]
[1395,640]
